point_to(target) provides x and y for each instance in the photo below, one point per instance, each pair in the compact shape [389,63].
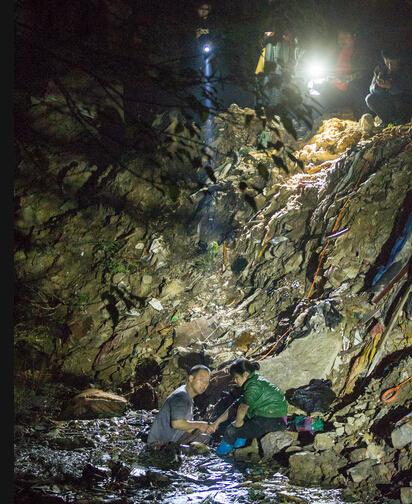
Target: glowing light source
[316,70]
[207,48]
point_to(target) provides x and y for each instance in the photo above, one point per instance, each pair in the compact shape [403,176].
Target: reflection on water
[105,461]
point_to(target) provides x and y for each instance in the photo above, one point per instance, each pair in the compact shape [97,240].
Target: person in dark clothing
[347,81]
[390,96]
[174,423]
[276,64]
[199,57]
[262,409]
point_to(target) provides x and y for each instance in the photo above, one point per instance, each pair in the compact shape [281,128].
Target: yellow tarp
[364,359]
[261,63]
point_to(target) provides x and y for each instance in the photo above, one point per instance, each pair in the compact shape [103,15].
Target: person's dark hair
[199,367]
[239,366]
[346,29]
[392,53]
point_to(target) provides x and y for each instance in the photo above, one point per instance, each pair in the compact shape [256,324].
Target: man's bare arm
[189,425]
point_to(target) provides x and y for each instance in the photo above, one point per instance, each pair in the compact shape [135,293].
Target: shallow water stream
[105,461]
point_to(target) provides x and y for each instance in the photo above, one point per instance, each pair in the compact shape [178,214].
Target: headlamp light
[316,70]
[206,48]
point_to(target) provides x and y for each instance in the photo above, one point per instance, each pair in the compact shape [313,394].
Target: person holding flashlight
[390,96]
[346,82]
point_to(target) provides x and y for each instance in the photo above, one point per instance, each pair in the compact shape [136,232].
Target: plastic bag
[316,396]
[300,423]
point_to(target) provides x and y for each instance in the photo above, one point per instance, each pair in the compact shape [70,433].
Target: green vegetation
[208,259]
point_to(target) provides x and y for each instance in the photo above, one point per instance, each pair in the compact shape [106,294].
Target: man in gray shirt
[175,418]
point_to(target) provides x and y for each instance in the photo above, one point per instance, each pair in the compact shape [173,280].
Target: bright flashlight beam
[316,70]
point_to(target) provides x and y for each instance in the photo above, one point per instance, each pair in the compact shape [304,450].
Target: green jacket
[263,398]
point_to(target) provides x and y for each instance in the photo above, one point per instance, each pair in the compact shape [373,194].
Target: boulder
[361,471]
[402,434]
[375,452]
[304,468]
[95,403]
[313,468]
[358,454]
[323,441]
[274,442]
[304,359]
[406,495]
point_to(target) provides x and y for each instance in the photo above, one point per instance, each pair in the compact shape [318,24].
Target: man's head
[198,380]
[345,38]
[392,59]
[203,10]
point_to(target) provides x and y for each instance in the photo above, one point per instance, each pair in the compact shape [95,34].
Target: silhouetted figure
[390,95]
[276,64]
[347,80]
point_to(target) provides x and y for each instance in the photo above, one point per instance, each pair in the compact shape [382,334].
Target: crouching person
[262,409]
[390,95]
[174,423]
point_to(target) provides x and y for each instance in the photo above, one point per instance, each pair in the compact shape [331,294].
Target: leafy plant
[80,300]
[207,260]
[121,266]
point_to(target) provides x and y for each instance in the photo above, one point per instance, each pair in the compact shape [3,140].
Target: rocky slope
[128,273]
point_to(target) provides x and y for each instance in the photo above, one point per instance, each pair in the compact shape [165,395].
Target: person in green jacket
[262,409]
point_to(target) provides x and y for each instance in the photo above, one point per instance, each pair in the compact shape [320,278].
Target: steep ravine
[129,274]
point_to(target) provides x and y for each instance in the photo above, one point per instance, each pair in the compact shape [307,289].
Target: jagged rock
[375,452]
[172,289]
[196,329]
[361,471]
[313,468]
[323,441]
[402,435]
[406,495]
[304,467]
[293,449]
[274,442]
[91,472]
[404,459]
[332,138]
[357,455]
[95,403]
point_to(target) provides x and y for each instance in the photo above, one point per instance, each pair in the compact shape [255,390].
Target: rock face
[95,403]
[303,359]
[120,264]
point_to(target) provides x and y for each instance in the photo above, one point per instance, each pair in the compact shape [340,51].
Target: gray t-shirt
[178,406]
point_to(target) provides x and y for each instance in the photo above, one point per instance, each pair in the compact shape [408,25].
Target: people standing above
[174,423]
[202,30]
[262,409]
[347,77]
[201,69]
[390,96]
[276,64]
